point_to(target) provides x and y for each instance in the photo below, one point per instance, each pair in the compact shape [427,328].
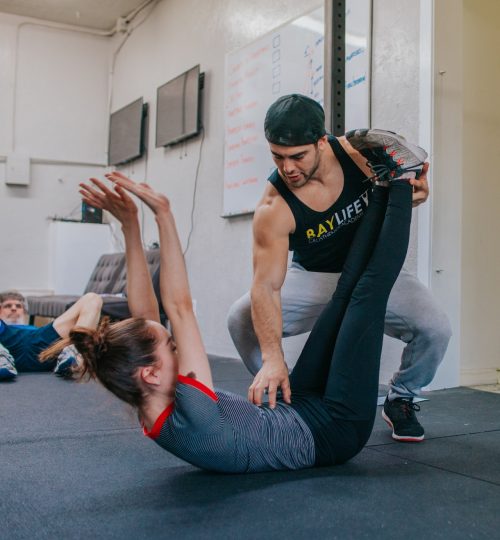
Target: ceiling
[95,14]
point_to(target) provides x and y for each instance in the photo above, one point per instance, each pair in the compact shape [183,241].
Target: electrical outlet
[17,171]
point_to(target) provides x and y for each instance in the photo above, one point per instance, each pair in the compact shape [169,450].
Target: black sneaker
[400,415]
[389,155]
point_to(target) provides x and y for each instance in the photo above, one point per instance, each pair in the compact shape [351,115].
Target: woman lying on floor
[334,383]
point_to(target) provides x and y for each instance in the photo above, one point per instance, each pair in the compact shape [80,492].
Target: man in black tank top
[312,206]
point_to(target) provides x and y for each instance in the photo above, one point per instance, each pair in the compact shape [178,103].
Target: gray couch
[108,279]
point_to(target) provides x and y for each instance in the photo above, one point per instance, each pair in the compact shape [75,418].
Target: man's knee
[239,315]
[413,311]
[438,328]
[431,328]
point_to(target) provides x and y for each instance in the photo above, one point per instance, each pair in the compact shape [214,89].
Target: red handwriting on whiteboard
[235,111]
[259,52]
[235,67]
[248,140]
[234,130]
[251,180]
[232,164]
[234,97]
[232,185]
[234,83]
[252,72]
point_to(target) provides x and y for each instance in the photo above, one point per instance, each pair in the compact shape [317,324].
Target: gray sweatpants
[413,316]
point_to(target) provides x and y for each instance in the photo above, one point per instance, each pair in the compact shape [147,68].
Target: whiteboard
[290,59]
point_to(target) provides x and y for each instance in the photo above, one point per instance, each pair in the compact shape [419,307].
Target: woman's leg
[352,386]
[311,370]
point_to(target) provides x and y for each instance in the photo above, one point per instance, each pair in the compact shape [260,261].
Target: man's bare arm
[270,256]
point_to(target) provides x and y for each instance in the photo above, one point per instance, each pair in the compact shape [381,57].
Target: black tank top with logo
[321,240]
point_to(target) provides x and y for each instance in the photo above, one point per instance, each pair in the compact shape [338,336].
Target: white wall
[481,193]
[53,98]
[466,194]
[447,185]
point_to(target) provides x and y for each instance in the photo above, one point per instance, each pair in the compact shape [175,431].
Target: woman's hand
[156,201]
[116,202]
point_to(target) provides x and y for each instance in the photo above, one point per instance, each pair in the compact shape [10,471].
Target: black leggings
[335,381]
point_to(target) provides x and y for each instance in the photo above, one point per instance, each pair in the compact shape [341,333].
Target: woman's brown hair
[112,354]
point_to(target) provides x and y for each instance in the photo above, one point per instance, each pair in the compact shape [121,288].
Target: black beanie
[294,120]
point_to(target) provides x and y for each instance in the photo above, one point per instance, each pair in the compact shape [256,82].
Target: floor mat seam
[437,467]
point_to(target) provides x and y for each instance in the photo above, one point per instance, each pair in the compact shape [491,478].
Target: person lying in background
[20,343]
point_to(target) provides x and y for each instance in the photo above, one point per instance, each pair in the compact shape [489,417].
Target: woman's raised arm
[174,285]
[141,298]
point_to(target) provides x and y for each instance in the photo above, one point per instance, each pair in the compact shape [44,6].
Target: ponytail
[112,354]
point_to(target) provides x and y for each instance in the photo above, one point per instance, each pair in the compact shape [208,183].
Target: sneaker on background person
[66,361]
[8,370]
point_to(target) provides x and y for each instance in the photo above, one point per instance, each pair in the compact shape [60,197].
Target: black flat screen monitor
[126,133]
[178,108]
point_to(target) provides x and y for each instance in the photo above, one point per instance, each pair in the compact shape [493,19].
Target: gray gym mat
[74,464]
